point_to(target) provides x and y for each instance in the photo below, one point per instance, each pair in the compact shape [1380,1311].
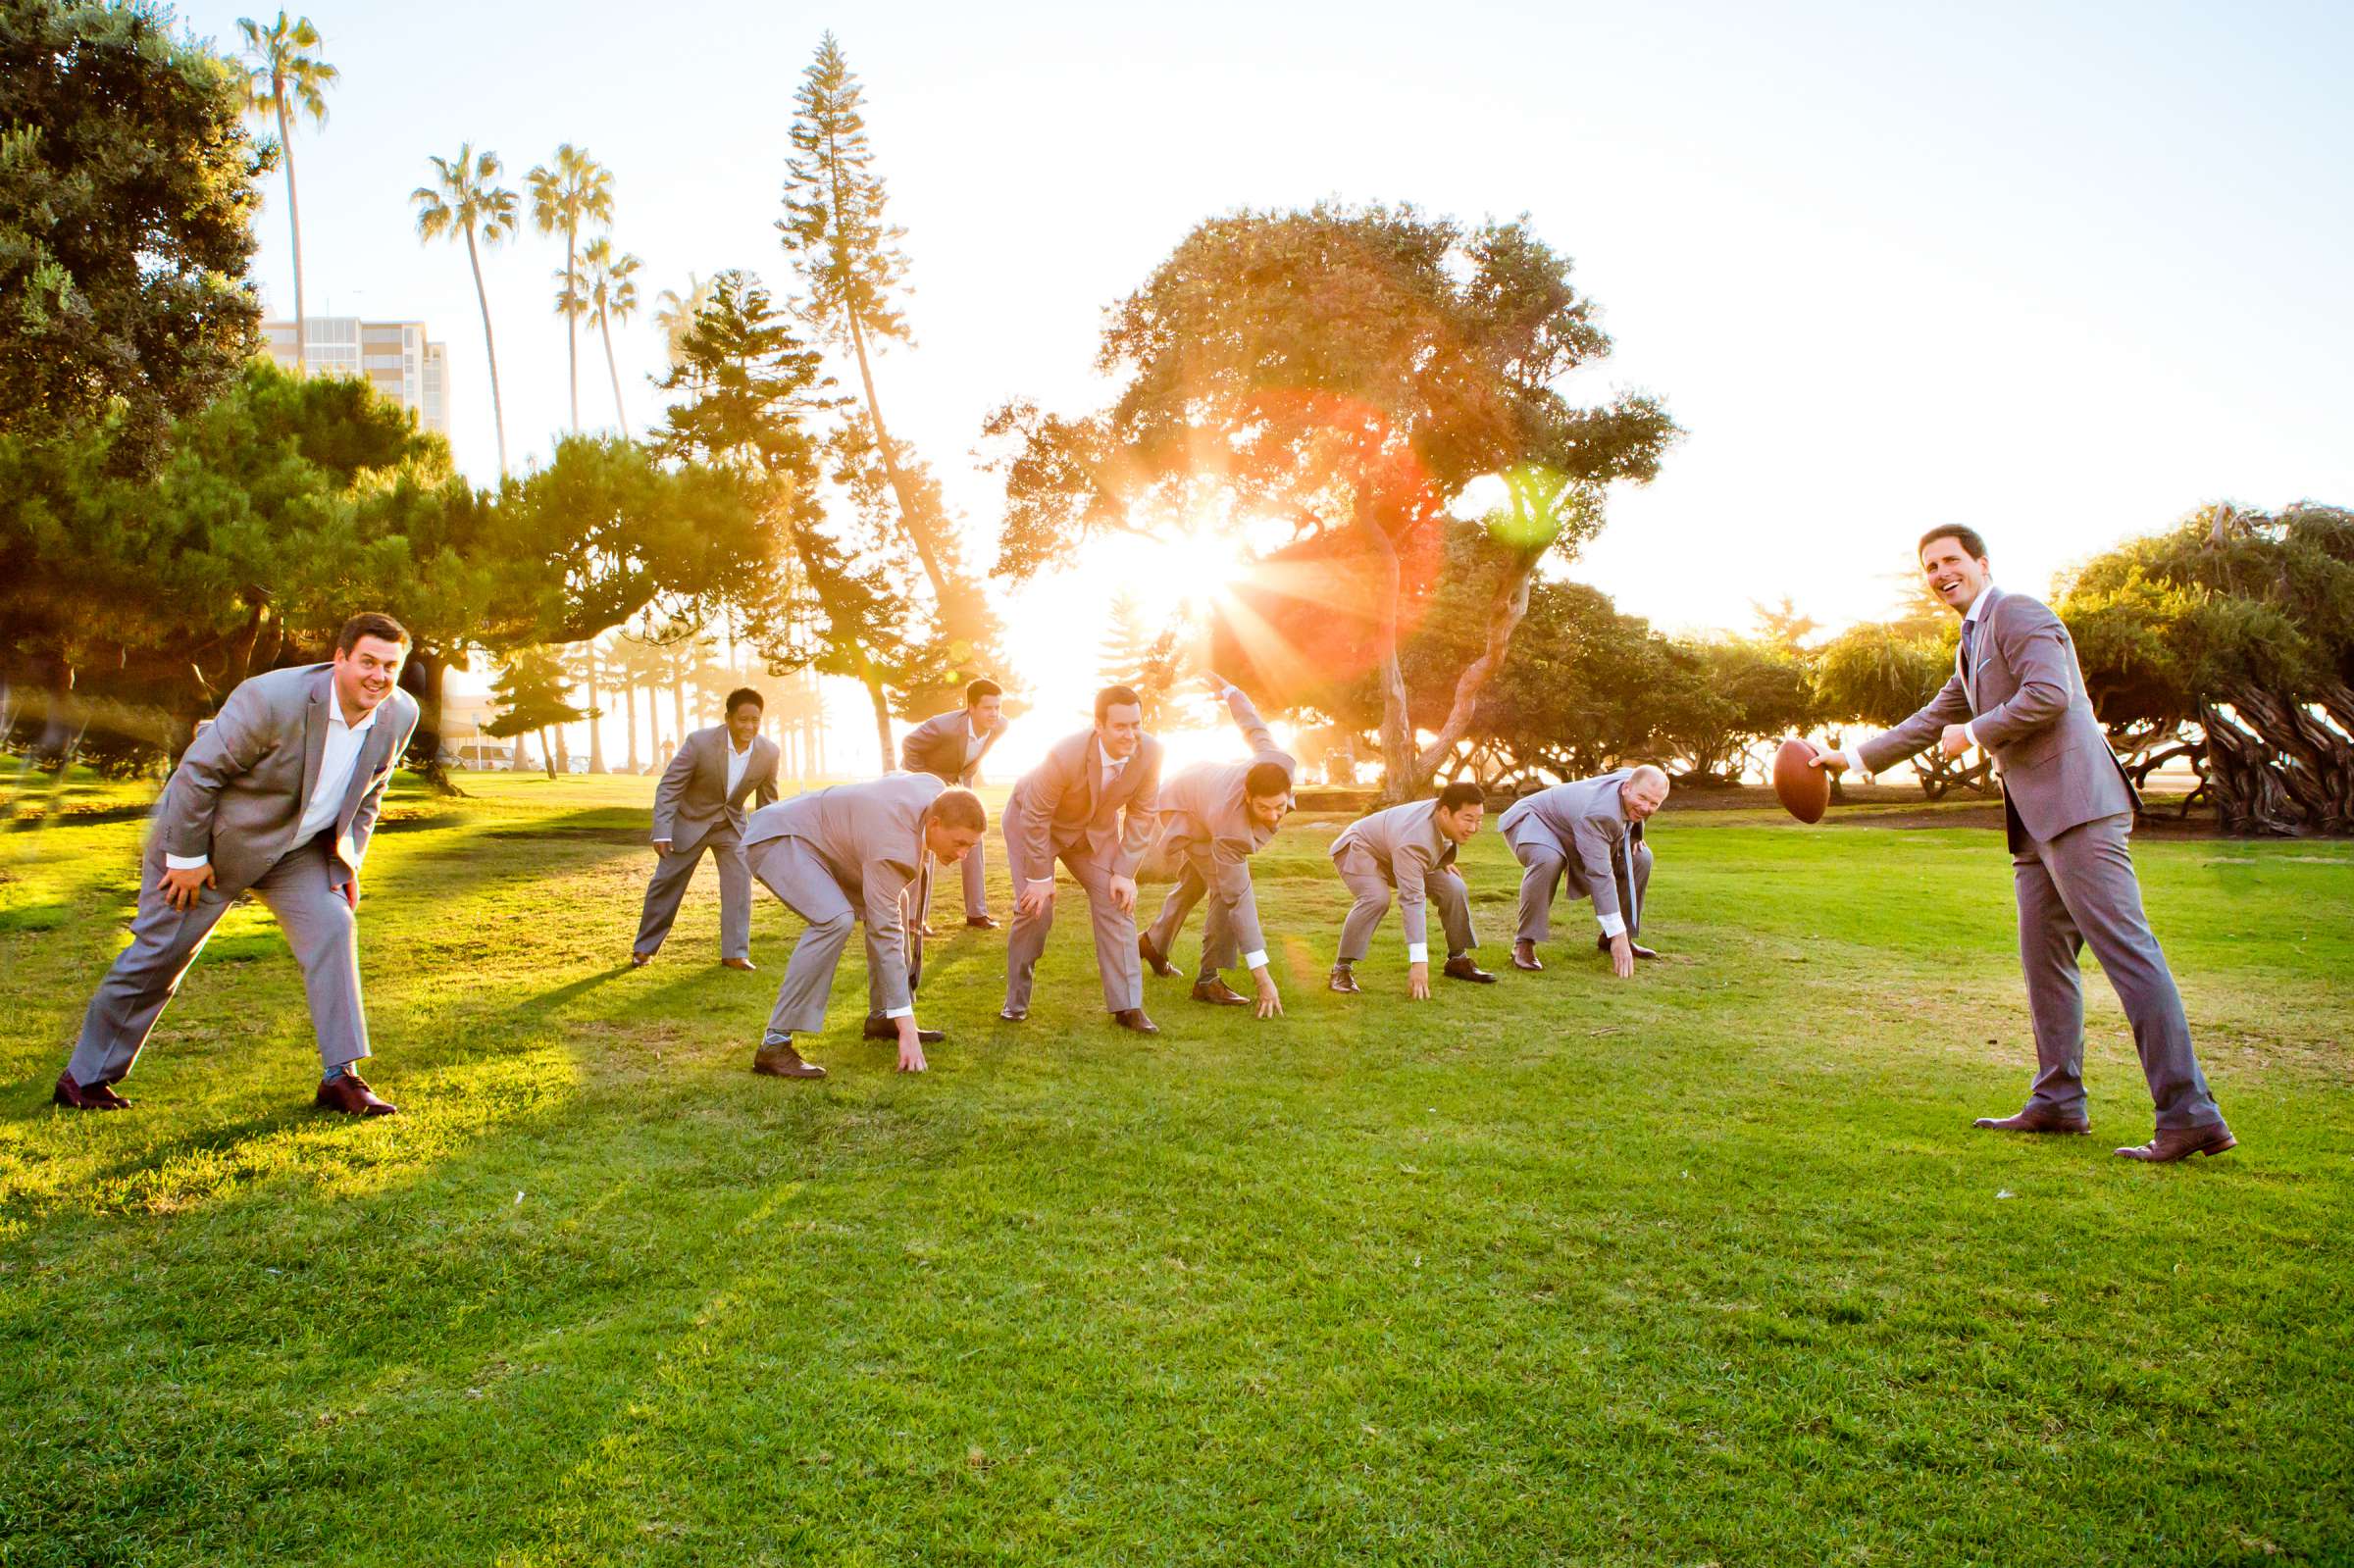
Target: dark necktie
[1969,631]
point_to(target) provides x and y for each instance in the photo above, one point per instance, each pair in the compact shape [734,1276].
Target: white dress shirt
[1110,767]
[738,761]
[319,813]
[1853,755]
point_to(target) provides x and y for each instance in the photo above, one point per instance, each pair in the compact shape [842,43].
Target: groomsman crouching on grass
[951,746]
[277,797]
[1214,816]
[1410,850]
[1590,831]
[854,853]
[699,805]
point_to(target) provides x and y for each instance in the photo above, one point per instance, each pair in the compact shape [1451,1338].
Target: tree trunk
[421,678]
[1399,780]
[597,723]
[629,700]
[2249,797]
[604,324]
[547,758]
[286,147]
[678,702]
[919,531]
[572,320]
[498,409]
[1504,613]
[874,691]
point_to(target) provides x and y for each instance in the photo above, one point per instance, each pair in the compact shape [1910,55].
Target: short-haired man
[949,746]
[856,853]
[699,805]
[1591,831]
[1092,805]
[277,797]
[1214,816]
[1410,850]
[2017,692]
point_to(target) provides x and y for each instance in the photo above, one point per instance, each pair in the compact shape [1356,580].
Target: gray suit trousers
[1548,862]
[795,873]
[1219,948]
[671,873]
[976,886]
[1118,963]
[2078,888]
[319,926]
[1364,877]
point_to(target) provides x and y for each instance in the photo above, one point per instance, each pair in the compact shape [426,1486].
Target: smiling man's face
[365,676]
[1954,576]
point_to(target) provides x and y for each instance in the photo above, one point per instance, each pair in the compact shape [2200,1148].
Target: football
[1805,789]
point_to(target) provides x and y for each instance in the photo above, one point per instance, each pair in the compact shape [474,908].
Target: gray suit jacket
[1586,820]
[937,746]
[692,797]
[1202,811]
[2026,701]
[871,837]
[1056,807]
[1405,841]
[237,796]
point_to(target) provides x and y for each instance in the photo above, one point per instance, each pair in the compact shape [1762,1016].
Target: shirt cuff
[1047,883]
[1972,730]
[1613,924]
[1417,953]
[1855,762]
[186,862]
[1256,960]
[907,1011]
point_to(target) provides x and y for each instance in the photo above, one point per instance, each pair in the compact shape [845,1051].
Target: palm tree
[674,315]
[611,286]
[286,67]
[575,191]
[466,201]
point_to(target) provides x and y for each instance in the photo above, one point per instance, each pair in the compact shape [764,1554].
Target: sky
[2062,273]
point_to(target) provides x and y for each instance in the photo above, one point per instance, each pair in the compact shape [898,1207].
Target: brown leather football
[1805,789]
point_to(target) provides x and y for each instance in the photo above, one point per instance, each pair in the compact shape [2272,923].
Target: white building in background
[394,356]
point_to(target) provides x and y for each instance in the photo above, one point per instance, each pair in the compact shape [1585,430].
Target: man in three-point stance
[699,805]
[1591,831]
[1090,804]
[1214,816]
[856,853]
[2017,692]
[949,747]
[277,797]
[1410,850]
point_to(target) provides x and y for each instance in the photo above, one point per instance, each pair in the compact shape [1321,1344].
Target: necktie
[1969,631]
[1634,908]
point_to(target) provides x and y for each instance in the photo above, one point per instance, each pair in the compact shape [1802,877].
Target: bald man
[1590,831]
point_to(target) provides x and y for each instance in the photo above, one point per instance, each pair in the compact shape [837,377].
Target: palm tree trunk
[499,410]
[286,147]
[604,324]
[572,324]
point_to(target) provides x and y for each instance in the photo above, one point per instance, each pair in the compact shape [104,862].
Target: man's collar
[1979,603]
[335,713]
[1106,759]
[744,750]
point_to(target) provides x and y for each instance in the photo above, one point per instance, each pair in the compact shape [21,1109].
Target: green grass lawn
[1707,1266]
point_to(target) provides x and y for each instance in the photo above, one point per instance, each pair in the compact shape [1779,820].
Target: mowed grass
[1707,1266]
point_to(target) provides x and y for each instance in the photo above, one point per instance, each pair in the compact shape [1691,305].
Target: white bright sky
[2060,271]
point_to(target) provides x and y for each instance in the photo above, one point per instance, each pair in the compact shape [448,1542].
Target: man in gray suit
[699,805]
[1091,805]
[1411,849]
[851,854]
[1591,831]
[1214,816]
[2017,692]
[951,747]
[277,797]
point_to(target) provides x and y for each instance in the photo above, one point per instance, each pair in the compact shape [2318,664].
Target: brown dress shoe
[85,1096]
[2170,1144]
[349,1095]
[979,923]
[783,1061]
[641,960]
[1461,967]
[1344,980]
[744,964]
[1134,1018]
[1524,956]
[2035,1119]
[1215,990]
[880,1028]
[1156,960]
